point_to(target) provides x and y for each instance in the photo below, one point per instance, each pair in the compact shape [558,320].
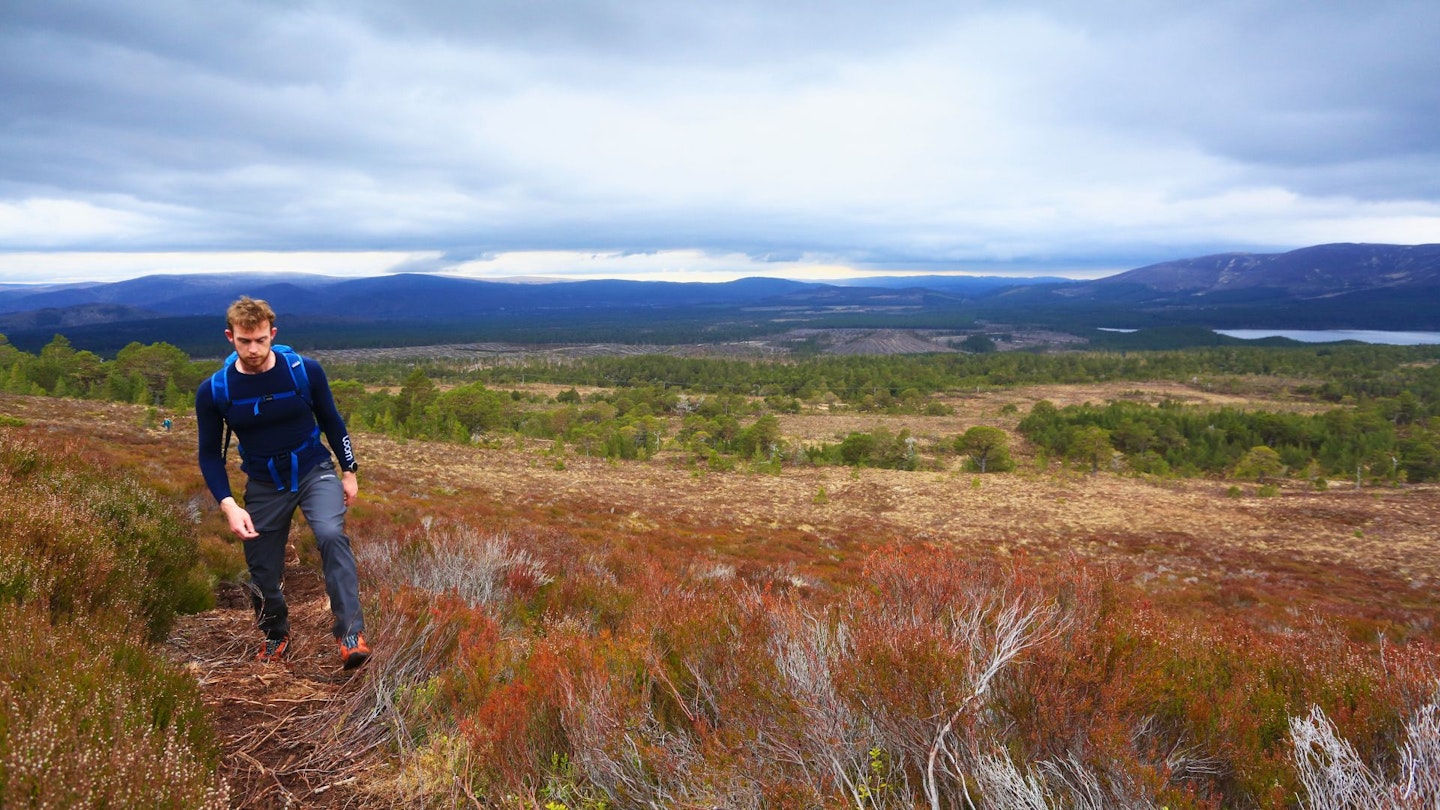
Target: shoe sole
[355,660]
[277,657]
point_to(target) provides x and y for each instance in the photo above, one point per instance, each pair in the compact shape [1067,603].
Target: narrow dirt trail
[275,721]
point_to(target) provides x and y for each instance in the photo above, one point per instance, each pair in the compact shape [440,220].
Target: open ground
[1366,559]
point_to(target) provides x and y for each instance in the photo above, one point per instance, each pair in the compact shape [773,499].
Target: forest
[722,412]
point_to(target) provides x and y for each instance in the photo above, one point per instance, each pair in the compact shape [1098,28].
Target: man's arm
[333,424]
[210,429]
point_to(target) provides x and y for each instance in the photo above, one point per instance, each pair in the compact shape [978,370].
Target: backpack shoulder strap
[296,363]
[220,393]
[220,384]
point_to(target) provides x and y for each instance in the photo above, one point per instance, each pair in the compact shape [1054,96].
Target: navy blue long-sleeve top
[275,431]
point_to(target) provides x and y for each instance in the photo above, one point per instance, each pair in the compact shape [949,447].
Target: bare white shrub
[1004,785]
[1420,757]
[1333,775]
[715,572]
[606,743]
[1065,784]
[993,632]
[1052,785]
[1080,787]
[454,558]
[623,749]
[1335,778]
[833,751]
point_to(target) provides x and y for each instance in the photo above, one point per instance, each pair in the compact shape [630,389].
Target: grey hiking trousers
[322,500]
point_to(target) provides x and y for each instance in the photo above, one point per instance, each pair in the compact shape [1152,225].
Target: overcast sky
[654,139]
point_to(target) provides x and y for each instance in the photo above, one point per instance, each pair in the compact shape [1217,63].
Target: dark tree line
[156,374]
[1384,425]
[1386,439]
[1332,373]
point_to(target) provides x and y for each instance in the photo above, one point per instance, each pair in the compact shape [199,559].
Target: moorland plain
[1346,572]
[1372,548]
[1182,533]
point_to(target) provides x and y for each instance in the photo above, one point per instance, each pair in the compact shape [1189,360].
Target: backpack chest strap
[256,401]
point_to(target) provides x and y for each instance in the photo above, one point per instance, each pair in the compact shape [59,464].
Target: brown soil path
[272,719]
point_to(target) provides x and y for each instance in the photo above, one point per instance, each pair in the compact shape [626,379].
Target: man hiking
[278,403]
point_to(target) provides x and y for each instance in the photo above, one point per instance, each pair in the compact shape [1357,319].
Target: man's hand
[351,485]
[240,524]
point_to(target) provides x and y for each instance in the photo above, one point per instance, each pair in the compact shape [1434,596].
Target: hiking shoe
[272,651]
[354,651]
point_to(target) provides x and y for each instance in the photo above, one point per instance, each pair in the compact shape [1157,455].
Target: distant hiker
[278,403]
[167,423]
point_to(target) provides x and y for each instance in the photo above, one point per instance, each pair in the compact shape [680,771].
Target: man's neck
[265,365]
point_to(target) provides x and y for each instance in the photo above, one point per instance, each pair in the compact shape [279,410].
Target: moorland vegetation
[724,412]
[543,659]
[94,567]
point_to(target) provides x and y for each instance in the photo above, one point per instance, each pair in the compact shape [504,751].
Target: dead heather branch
[994,633]
[409,657]
[1182,761]
[625,751]
[1004,785]
[1083,788]
[1335,778]
[832,748]
[455,558]
[1068,784]
[1333,775]
[341,738]
[1420,756]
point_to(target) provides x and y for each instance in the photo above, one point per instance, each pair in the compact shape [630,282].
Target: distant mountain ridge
[78,315]
[1323,270]
[1338,286]
[405,295]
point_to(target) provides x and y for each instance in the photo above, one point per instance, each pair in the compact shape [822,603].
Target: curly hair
[249,313]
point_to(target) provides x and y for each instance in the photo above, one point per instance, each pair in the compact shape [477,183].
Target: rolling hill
[1355,286]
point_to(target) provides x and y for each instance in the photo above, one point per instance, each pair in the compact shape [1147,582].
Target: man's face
[252,344]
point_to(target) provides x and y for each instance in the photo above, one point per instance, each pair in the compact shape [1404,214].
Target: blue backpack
[220,393]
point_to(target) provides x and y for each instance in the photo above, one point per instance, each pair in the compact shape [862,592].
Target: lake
[1331,335]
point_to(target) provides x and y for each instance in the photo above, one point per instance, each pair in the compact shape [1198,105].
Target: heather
[94,567]
[618,595]
[532,668]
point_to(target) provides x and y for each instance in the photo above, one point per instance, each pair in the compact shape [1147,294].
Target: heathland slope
[620,576]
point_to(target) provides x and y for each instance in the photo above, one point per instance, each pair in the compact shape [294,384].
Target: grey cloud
[256,41]
[98,114]
[663,30]
[1281,87]
[372,124]
[1400,177]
